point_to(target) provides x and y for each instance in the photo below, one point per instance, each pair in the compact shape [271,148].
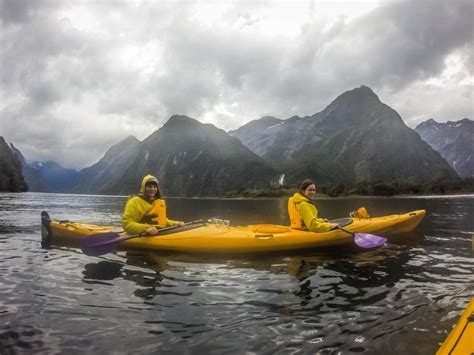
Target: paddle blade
[101,243]
[365,240]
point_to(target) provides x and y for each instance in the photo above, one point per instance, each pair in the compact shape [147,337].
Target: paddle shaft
[160,230]
[345,230]
[103,243]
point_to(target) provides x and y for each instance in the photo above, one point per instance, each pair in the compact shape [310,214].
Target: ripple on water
[346,300]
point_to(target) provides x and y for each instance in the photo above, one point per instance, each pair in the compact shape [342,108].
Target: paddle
[46,233]
[365,240]
[103,243]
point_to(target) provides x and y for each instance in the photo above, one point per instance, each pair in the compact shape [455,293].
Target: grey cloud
[43,93]
[408,41]
[54,67]
[36,57]
[388,49]
[20,11]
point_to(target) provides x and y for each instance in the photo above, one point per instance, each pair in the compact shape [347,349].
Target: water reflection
[26,338]
[102,271]
[332,279]
[413,238]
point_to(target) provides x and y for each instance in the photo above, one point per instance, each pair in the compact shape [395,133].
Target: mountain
[103,175]
[267,135]
[356,138]
[256,135]
[56,177]
[45,176]
[453,140]
[33,177]
[194,159]
[51,177]
[11,176]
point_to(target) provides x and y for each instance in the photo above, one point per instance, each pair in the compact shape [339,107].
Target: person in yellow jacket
[146,212]
[303,212]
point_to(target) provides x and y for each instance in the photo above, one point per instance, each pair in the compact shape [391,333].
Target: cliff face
[11,176]
[453,140]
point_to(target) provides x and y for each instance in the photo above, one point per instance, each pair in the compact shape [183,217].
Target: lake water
[398,299]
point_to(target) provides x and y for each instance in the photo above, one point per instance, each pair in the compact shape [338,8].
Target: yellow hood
[144,181]
[297,198]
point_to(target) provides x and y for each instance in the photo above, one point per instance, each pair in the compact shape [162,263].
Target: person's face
[310,191]
[151,190]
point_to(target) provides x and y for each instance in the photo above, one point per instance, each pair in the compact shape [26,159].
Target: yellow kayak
[220,238]
[461,339]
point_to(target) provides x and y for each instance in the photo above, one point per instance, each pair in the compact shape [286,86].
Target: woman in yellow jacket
[303,212]
[146,212]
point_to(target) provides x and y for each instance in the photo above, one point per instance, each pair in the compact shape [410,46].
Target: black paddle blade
[101,243]
[46,234]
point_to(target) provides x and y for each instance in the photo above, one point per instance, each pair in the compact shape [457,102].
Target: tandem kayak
[461,339]
[221,238]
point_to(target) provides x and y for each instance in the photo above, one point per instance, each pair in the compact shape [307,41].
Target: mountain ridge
[454,140]
[355,138]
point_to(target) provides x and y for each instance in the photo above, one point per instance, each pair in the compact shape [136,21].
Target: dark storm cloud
[388,49]
[408,41]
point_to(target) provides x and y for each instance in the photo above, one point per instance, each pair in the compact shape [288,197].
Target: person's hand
[333,226]
[151,231]
[180,223]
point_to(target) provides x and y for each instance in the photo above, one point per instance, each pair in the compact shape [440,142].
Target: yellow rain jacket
[141,213]
[304,215]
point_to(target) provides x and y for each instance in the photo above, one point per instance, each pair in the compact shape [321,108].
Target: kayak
[461,339]
[222,238]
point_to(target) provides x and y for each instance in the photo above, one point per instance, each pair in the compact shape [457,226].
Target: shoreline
[318,196]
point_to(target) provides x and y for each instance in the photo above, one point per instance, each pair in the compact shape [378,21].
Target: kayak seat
[342,222]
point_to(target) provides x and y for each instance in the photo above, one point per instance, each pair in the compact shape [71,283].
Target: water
[401,298]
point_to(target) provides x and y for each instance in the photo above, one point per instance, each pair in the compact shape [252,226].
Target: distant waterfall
[281,180]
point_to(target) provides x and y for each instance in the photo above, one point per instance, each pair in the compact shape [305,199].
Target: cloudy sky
[78,76]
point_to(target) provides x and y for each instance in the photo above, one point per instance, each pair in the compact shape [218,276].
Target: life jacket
[158,212]
[295,217]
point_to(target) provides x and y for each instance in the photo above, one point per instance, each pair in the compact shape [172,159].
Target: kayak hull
[461,339]
[219,238]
